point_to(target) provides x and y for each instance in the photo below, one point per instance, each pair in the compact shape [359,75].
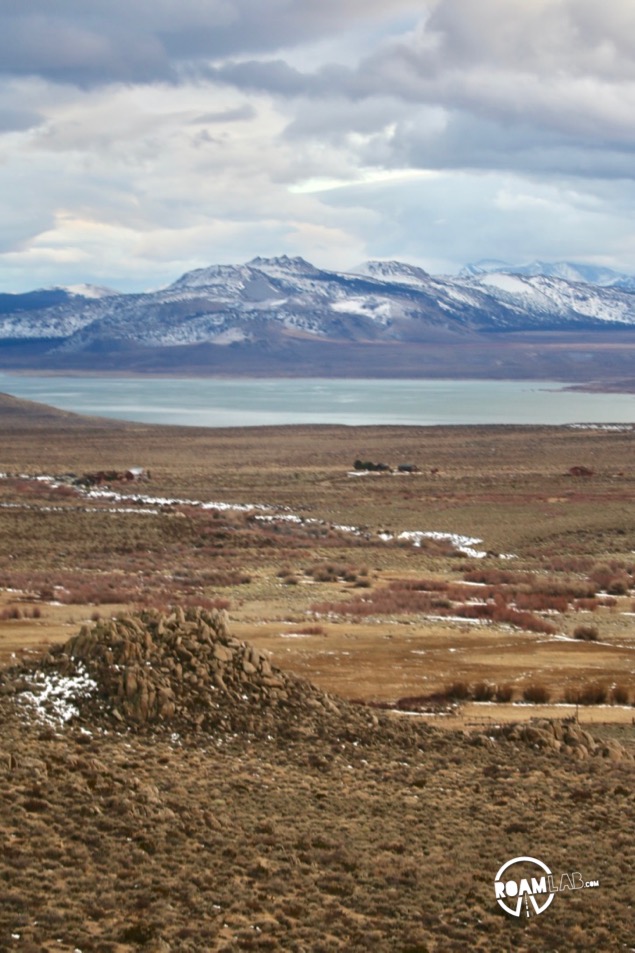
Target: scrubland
[326,843]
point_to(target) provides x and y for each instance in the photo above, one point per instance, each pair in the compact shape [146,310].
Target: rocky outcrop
[181,670]
[564,737]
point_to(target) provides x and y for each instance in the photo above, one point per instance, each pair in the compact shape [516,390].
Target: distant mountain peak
[396,272]
[283,263]
[566,270]
[89,291]
[484,266]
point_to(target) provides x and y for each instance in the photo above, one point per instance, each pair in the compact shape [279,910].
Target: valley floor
[520,594]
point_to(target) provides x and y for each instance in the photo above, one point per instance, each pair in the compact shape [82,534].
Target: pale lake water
[214,402]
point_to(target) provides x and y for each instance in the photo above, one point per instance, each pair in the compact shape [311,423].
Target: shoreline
[585,387]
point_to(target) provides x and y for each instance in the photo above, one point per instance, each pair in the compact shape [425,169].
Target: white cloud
[140,139]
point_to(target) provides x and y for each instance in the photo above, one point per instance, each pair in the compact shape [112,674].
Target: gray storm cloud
[101,41]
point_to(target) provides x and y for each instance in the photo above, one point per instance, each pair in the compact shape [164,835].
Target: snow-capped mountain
[283,306]
[393,272]
[568,271]
[89,291]
[48,312]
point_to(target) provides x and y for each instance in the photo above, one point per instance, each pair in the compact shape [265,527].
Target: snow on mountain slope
[557,298]
[394,272]
[267,299]
[89,291]
[569,271]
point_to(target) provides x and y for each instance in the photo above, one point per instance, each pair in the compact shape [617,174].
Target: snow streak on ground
[148,504]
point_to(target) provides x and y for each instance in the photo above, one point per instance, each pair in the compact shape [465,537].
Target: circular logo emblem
[524,882]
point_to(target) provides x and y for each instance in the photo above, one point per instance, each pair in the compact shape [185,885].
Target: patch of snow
[512,284]
[463,544]
[54,696]
[90,291]
[457,618]
[368,307]
[612,427]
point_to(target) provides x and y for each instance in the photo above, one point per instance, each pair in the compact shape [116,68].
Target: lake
[214,402]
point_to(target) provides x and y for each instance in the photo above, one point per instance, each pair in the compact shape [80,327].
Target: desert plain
[419,675]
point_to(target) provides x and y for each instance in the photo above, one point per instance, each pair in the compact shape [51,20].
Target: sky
[140,139]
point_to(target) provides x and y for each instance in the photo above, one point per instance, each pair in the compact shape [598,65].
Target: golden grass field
[136,841]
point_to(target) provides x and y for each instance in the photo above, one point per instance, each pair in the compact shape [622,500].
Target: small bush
[483,692]
[595,693]
[458,691]
[618,585]
[504,693]
[362,582]
[587,633]
[620,695]
[586,605]
[536,693]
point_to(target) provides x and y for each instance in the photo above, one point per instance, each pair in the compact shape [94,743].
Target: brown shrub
[330,572]
[594,693]
[536,693]
[458,691]
[420,585]
[619,585]
[620,695]
[524,620]
[483,692]
[504,693]
[494,577]
[586,605]
[541,601]
[613,577]
[587,633]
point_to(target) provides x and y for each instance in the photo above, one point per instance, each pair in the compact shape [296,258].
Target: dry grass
[509,486]
[118,843]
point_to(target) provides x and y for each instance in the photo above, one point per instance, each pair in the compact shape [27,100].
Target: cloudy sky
[142,138]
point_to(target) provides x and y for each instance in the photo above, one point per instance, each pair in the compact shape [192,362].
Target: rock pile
[566,738]
[182,670]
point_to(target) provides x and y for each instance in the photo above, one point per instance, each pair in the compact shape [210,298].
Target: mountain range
[384,318]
